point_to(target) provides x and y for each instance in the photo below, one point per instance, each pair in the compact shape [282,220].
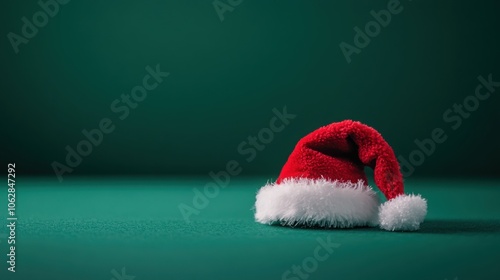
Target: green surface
[85,228]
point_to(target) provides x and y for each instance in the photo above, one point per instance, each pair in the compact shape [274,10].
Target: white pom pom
[403,213]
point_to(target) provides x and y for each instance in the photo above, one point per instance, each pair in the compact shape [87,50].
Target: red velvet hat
[323,183]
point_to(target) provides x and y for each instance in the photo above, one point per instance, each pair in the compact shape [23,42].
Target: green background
[227,76]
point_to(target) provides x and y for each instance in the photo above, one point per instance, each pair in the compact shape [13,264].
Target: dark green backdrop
[227,76]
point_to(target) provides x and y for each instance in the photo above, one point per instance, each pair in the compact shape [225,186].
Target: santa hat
[323,183]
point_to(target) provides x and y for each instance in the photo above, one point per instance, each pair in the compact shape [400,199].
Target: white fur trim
[403,213]
[321,202]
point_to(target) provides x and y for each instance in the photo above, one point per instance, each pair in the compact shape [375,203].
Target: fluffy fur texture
[313,190]
[403,213]
[317,202]
[340,151]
